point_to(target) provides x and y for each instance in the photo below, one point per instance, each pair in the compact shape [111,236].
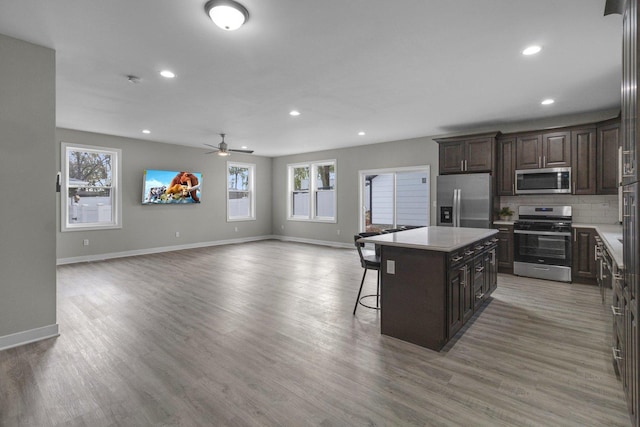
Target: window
[90,193]
[312,191]
[240,192]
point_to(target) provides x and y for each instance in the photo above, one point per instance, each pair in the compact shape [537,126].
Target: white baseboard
[314,242]
[135,252]
[26,337]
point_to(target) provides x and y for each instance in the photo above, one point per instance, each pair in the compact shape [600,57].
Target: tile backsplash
[585,209]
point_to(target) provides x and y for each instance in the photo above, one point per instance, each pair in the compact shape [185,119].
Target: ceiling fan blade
[240,151]
[212,152]
[212,146]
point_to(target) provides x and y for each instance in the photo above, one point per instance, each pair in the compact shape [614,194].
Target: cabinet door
[556,149]
[454,306]
[607,173]
[479,154]
[467,292]
[505,248]
[451,157]
[506,166]
[529,152]
[583,172]
[583,263]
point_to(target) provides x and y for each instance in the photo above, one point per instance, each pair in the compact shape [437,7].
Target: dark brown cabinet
[548,150]
[583,151]
[504,251]
[467,154]
[583,262]
[455,292]
[506,166]
[607,166]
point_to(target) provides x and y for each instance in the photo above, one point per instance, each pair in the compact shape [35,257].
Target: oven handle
[542,233]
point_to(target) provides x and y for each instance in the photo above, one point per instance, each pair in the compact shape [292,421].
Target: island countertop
[433,238]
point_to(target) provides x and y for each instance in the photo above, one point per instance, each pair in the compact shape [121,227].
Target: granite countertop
[610,234]
[433,238]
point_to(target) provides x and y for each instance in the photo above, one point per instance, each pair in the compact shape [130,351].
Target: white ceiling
[394,69]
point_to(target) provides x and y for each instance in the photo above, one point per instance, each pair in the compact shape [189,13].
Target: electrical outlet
[338,231]
[177,234]
[235,229]
[282,226]
[85,242]
[391,266]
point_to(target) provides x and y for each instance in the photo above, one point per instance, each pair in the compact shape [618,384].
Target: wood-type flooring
[262,334]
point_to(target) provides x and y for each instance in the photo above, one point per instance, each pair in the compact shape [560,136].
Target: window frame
[251,191]
[116,194]
[313,191]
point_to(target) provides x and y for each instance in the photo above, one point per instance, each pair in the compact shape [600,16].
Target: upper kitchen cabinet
[506,167]
[607,166]
[547,150]
[467,154]
[583,152]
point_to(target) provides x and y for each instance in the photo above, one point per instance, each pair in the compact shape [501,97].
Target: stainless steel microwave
[543,181]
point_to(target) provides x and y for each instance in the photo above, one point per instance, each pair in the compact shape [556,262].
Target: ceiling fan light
[223,153]
[226,14]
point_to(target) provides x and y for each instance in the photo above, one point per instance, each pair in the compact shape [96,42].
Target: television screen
[171,187]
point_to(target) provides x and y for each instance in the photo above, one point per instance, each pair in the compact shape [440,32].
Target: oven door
[542,247]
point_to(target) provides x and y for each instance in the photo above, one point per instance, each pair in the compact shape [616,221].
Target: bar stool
[368,262]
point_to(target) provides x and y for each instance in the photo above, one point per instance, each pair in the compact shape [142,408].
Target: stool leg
[378,292]
[360,291]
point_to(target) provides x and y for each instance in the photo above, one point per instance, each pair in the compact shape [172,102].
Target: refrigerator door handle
[456,207]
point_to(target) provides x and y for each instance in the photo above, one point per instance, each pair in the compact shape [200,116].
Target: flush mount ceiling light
[146,131]
[167,74]
[226,14]
[531,50]
[294,113]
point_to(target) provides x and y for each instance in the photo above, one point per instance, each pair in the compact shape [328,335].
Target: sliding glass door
[394,198]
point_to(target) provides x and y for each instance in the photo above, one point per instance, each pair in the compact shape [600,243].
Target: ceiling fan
[223,150]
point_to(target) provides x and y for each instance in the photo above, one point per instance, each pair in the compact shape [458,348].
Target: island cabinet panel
[455,284]
[414,296]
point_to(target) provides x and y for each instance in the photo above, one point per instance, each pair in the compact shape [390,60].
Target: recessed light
[547,101]
[244,147]
[167,74]
[361,133]
[146,131]
[294,113]
[531,50]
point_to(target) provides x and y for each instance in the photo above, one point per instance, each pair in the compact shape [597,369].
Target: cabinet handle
[462,165]
[574,187]
[494,239]
[480,296]
[456,259]
[480,269]
[617,276]
[539,162]
[616,353]
[514,189]
[574,235]
[466,166]
[616,310]
[544,161]
[469,253]
[502,229]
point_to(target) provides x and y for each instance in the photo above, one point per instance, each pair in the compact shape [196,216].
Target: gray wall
[27,233]
[412,152]
[154,226]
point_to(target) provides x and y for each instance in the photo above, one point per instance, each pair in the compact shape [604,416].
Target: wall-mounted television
[161,187]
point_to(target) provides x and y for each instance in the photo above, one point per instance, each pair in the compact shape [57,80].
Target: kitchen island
[433,280]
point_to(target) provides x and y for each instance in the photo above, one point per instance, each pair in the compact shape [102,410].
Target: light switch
[391,266]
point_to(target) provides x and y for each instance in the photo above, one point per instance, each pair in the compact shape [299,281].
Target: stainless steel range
[542,242]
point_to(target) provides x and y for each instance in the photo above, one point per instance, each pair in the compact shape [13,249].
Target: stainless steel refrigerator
[465,200]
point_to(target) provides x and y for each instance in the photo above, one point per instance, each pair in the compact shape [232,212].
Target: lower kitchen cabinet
[504,252]
[583,261]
